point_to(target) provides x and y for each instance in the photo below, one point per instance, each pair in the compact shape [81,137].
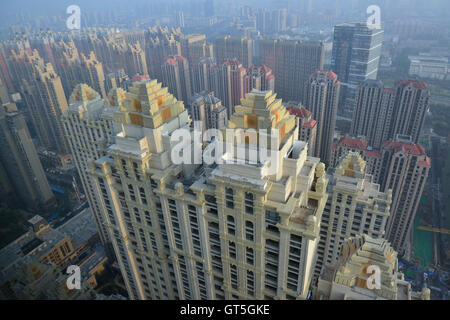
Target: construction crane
[432,229]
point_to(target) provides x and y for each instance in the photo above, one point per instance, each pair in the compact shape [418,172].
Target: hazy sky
[34,8]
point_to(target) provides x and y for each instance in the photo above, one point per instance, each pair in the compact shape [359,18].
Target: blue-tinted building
[355,58]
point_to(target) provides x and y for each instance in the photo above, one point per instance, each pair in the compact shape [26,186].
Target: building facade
[355,58]
[209,232]
[23,179]
[321,98]
[89,130]
[356,205]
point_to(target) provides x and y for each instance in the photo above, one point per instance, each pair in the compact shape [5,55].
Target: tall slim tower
[355,58]
[321,98]
[89,130]
[176,76]
[405,167]
[292,62]
[382,113]
[412,102]
[228,48]
[46,102]
[20,168]
[355,206]
[373,114]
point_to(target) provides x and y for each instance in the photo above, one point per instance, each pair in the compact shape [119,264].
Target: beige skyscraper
[321,98]
[202,106]
[307,126]
[45,99]
[349,277]
[133,59]
[405,168]
[21,171]
[195,47]
[228,48]
[356,205]
[75,68]
[230,83]
[233,231]
[89,130]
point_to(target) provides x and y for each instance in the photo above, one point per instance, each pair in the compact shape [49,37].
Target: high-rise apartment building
[232,231]
[261,78]
[180,19]
[346,144]
[355,58]
[159,44]
[228,48]
[23,180]
[176,76]
[356,205]
[133,59]
[46,101]
[307,126]
[321,98]
[89,131]
[292,62]
[411,106]
[382,113]
[202,106]
[373,113]
[230,83]
[194,47]
[74,68]
[201,74]
[349,277]
[404,169]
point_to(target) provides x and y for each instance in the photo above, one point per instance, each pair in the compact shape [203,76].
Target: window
[231,226]
[249,232]
[250,256]
[249,202]
[232,250]
[272,218]
[234,277]
[229,198]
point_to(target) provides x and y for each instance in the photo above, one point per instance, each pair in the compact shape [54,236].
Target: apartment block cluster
[234,229]
[34,265]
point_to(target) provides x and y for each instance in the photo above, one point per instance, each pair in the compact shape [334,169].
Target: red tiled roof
[425,163]
[329,74]
[353,143]
[140,78]
[409,148]
[171,61]
[373,154]
[413,83]
[299,112]
[310,124]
